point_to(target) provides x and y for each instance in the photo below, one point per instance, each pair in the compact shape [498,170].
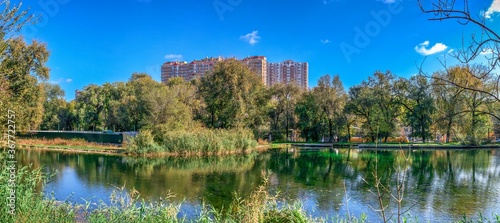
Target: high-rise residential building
[188,71]
[287,72]
[258,64]
[270,73]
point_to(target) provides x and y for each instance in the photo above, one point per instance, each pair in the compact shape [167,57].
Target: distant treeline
[232,97]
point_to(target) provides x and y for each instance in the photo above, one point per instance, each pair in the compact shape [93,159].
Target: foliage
[232,95]
[332,99]
[416,97]
[310,117]
[281,112]
[376,103]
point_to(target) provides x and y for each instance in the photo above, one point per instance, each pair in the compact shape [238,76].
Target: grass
[201,141]
[30,205]
[65,143]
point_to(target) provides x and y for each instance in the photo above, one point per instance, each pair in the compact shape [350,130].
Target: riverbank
[83,147]
[388,145]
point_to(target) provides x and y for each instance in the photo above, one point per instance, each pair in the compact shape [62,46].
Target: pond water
[443,185]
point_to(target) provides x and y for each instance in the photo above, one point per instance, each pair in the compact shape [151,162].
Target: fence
[97,137]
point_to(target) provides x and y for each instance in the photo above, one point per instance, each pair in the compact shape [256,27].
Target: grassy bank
[168,143]
[29,205]
[65,145]
[198,142]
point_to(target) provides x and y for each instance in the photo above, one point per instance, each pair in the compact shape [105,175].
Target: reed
[199,141]
[30,204]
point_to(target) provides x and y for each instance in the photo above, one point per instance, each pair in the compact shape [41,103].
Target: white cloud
[486,51]
[61,80]
[437,48]
[173,56]
[495,7]
[451,51]
[251,38]
[387,1]
[326,41]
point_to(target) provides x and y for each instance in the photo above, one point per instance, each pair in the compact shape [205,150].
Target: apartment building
[288,71]
[270,73]
[188,71]
[258,64]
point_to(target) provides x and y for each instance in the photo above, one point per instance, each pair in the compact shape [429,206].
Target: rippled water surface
[442,185]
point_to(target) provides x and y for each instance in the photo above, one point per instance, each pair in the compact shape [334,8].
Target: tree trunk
[448,131]
[348,133]
[286,127]
[330,130]
[422,132]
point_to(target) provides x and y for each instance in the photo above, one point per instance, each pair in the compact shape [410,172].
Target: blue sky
[93,42]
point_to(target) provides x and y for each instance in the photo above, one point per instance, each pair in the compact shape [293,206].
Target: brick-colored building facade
[270,73]
[288,71]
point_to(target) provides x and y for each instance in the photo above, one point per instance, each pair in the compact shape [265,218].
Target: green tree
[331,97]
[449,99]
[231,93]
[477,104]
[281,112]
[164,108]
[55,108]
[416,97]
[310,117]
[22,67]
[90,108]
[375,102]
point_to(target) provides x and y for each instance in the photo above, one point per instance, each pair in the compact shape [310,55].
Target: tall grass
[199,141]
[259,207]
[30,205]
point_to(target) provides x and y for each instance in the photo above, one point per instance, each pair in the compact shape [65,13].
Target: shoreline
[116,151]
[391,146]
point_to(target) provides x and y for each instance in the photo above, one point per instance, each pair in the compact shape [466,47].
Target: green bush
[143,143]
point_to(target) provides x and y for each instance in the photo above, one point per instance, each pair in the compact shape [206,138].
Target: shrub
[143,143]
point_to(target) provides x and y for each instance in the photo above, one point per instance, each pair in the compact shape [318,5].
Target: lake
[442,185]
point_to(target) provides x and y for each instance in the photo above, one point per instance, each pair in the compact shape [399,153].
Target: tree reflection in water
[442,184]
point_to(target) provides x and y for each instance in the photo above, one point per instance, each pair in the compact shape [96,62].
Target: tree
[416,97]
[164,108]
[231,93]
[55,108]
[22,66]
[449,99]
[374,101]
[187,94]
[331,97]
[477,104]
[90,108]
[487,43]
[281,113]
[310,116]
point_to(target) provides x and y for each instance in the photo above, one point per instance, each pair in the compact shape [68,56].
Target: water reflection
[442,185]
